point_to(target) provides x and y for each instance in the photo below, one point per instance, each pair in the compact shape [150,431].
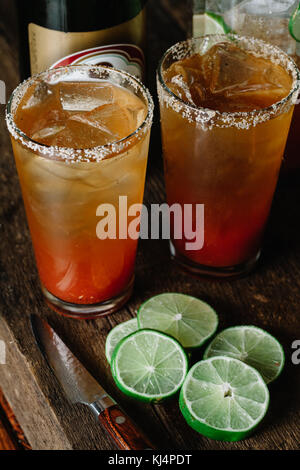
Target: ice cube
[233,72]
[87,120]
[86,128]
[39,109]
[240,81]
[114,117]
[226,67]
[80,132]
[40,95]
[277,77]
[48,123]
[47,132]
[180,88]
[138,114]
[198,93]
[176,70]
[82,96]
[186,79]
[131,104]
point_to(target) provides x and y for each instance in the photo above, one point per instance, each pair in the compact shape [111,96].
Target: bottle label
[47,46]
[127,57]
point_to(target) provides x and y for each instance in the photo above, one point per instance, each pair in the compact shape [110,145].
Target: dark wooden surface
[7,437]
[11,434]
[269,298]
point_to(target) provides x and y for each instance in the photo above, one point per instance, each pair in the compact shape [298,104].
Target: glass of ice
[264,19]
[226,104]
[80,138]
[268,20]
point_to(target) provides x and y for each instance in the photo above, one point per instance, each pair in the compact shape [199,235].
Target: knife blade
[81,387]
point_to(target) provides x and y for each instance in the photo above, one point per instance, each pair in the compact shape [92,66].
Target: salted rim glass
[208,118]
[79,73]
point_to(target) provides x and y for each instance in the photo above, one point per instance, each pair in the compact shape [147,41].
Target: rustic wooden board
[269,298]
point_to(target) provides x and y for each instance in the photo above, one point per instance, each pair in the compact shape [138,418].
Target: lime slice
[149,365]
[252,345]
[117,333]
[209,23]
[223,398]
[191,321]
[294,24]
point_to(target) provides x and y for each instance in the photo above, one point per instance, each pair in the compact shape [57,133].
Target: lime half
[117,333]
[209,23]
[252,345]
[149,365]
[223,398]
[294,24]
[191,321]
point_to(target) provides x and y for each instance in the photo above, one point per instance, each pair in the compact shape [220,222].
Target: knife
[81,387]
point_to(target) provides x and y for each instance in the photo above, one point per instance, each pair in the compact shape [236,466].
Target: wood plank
[269,298]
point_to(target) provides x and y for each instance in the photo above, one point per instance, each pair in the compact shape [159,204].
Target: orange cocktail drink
[80,137]
[226,105]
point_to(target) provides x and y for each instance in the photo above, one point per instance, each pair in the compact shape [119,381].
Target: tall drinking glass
[228,158]
[67,189]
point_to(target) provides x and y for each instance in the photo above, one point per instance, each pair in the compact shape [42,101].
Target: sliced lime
[191,321]
[223,398]
[149,365]
[209,23]
[117,333]
[252,345]
[294,24]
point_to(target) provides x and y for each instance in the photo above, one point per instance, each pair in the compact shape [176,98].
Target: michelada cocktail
[226,105]
[80,137]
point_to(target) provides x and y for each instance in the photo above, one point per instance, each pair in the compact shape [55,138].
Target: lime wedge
[149,365]
[223,398]
[209,23]
[189,320]
[117,333]
[294,24]
[252,345]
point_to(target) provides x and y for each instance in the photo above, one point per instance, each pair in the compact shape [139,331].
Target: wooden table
[269,298]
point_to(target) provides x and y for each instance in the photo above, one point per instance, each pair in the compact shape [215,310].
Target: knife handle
[123,430]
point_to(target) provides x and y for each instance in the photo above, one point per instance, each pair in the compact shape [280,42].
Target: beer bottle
[64,32]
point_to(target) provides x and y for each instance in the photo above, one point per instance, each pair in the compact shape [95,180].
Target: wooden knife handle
[123,430]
